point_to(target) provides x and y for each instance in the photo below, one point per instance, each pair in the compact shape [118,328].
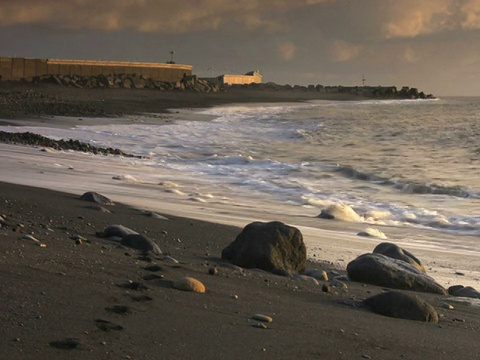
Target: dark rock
[398,305]
[96,198]
[396,252]
[116,231]
[464,291]
[453,289]
[381,270]
[140,242]
[268,246]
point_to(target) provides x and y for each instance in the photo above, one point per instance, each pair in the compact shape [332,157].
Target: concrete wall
[18,68]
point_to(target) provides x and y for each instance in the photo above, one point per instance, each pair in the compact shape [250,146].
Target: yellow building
[252,77]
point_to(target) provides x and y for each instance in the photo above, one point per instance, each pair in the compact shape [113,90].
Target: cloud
[344,51]
[161,16]
[410,18]
[471,12]
[287,50]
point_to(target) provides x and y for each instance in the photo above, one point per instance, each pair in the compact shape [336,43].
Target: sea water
[395,162]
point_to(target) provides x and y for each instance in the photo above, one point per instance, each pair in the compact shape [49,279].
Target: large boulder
[396,252]
[398,305]
[268,246]
[381,270]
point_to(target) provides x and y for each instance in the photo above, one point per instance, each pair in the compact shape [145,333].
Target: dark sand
[61,291]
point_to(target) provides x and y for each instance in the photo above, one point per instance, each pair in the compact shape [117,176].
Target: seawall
[25,68]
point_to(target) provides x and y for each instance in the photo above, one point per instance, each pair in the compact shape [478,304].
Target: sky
[433,45]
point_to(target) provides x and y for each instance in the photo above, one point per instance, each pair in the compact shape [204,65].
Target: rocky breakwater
[127,81]
[213,85]
[31,139]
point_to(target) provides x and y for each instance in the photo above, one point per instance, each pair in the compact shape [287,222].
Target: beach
[62,290]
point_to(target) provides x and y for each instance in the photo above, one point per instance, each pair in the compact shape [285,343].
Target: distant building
[248,78]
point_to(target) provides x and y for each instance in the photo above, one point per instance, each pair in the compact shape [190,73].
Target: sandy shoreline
[60,291]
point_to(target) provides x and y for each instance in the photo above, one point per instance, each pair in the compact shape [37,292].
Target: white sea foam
[310,156]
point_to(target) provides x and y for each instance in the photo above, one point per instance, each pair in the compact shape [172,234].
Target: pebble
[339,284]
[31,238]
[171,259]
[317,274]
[448,306]
[326,288]
[263,318]
[213,271]
[189,284]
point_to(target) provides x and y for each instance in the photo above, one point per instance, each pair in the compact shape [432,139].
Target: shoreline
[59,170]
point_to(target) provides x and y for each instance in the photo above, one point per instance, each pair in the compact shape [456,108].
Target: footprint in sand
[107,325]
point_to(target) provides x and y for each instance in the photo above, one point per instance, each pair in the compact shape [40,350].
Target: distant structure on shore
[24,68]
[251,77]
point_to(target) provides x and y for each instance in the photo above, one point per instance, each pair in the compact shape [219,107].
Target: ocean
[404,163]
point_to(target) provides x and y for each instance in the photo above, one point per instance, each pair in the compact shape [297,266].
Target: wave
[406,187]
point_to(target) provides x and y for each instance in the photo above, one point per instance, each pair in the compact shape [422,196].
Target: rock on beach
[396,252]
[268,246]
[381,270]
[399,305]
[189,284]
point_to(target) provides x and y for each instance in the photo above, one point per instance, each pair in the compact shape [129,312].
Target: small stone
[189,284]
[171,259]
[326,288]
[213,271]
[448,306]
[338,284]
[42,245]
[263,318]
[235,297]
[31,238]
